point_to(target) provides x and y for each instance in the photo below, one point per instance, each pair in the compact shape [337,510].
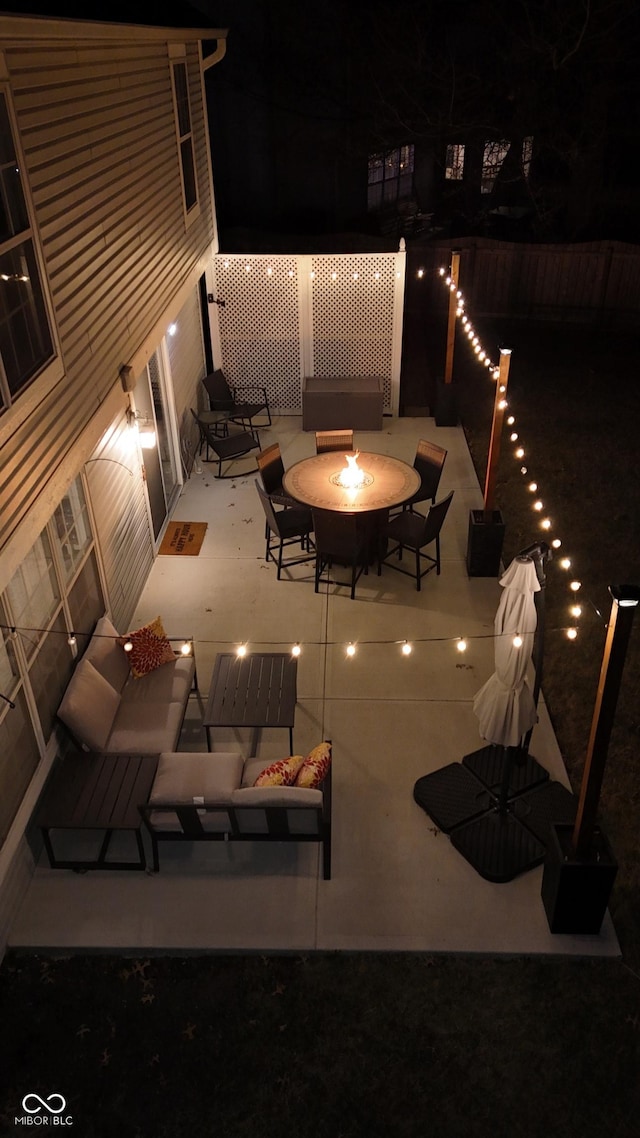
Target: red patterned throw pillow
[281,773]
[150,648]
[315,767]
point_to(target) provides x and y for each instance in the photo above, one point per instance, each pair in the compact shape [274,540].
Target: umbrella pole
[539,553]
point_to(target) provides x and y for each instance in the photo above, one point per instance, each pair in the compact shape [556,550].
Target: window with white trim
[390,177]
[26,343]
[56,591]
[185,133]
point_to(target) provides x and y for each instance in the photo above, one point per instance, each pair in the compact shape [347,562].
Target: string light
[241,650]
[351,648]
[72,640]
[576,610]
[296,649]
[185,648]
[406,648]
[461,645]
[574,586]
[519,453]
[517,642]
[572,633]
[128,646]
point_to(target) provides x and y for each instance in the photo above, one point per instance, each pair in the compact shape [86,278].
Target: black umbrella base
[487,764]
[451,796]
[547,806]
[498,846]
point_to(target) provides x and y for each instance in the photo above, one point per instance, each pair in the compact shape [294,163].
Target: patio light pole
[580,867]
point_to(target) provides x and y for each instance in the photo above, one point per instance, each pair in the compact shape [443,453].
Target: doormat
[183,539]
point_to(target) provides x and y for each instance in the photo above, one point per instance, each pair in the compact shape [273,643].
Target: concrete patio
[397,882]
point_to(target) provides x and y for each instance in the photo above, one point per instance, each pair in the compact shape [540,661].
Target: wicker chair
[334,440]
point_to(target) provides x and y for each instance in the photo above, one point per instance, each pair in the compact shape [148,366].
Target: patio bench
[204,797]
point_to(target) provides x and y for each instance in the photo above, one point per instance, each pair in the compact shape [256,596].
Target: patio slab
[397,882]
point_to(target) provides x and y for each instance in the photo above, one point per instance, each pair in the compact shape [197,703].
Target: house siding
[94,113]
[98,136]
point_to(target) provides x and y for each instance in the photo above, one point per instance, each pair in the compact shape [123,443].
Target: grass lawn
[351,1046]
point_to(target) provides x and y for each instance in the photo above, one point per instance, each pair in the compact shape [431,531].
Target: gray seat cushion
[145,728]
[170,683]
[183,776]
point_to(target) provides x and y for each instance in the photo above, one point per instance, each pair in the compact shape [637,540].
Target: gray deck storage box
[333,404]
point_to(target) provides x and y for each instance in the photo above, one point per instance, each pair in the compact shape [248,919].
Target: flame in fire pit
[352,476]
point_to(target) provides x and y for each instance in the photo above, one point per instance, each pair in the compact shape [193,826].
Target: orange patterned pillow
[151,648]
[315,767]
[281,773]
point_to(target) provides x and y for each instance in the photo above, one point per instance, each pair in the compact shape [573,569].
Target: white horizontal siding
[97,128]
[118,501]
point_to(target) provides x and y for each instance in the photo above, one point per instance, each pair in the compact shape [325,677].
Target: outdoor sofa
[107,709]
[212,798]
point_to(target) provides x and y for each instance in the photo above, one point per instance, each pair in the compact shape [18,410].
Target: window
[454,162]
[492,159]
[390,177]
[185,135]
[26,343]
[527,155]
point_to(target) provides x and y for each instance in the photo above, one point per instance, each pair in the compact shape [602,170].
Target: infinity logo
[43,1104]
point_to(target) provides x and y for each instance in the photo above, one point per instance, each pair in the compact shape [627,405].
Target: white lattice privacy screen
[286,317]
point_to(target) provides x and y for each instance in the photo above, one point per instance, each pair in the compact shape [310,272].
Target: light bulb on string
[406,648]
[533,486]
[185,648]
[538,505]
[72,640]
[556,543]
[128,646]
[241,650]
[296,649]
[576,610]
[574,586]
[545,523]
[513,437]
[510,421]
[461,644]
[572,633]
[565,563]
[351,648]
[517,642]
[520,452]
[523,470]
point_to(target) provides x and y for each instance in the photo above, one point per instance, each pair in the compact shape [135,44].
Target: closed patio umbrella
[505,705]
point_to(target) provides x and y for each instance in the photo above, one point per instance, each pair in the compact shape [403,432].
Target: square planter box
[484,546]
[575,892]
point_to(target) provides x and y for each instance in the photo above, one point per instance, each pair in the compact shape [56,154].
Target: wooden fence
[597,282]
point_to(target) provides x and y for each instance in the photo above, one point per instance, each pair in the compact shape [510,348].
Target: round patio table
[315,482]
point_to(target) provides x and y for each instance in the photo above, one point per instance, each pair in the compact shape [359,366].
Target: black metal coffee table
[257,690]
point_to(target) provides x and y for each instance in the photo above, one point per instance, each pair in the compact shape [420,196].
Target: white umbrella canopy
[505,706]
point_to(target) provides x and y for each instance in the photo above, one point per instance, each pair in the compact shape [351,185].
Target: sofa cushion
[281,773]
[182,777]
[146,728]
[89,706]
[275,796]
[315,766]
[106,655]
[169,684]
[150,648]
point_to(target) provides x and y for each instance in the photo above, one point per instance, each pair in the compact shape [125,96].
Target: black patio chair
[271,469]
[285,528]
[429,461]
[235,401]
[227,448]
[334,440]
[344,539]
[411,530]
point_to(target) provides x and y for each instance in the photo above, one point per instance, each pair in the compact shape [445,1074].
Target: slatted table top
[98,792]
[257,690]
